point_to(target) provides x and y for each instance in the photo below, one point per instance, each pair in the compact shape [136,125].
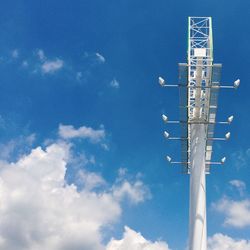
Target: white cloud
[100,58]
[16,146]
[135,192]
[80,160]
[105,146]
[69,132]
[41,55]
[25,64]
[15,53]
[224,242]
[78,76]
[237,213]
[39,210]
[241,158]
[122,172]
[89,180]
[51,66]
[115,84]
[135,241]
[240,185]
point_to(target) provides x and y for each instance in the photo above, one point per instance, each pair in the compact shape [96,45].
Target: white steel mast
[200,60]
[199,84]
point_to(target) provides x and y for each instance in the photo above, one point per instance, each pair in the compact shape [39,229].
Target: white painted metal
[199,83]
[200,61]
[197,202]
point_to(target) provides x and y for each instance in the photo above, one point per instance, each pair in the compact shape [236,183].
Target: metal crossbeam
[199,85]
[201,79]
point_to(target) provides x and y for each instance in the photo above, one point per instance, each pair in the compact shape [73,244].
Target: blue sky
[80,77]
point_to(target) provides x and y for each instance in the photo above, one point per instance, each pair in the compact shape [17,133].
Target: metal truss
[201,78]
[199,84]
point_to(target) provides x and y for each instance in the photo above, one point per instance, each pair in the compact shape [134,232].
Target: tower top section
[198,100]
[199,85]
[200,38]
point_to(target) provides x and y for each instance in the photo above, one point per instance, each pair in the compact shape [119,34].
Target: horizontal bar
[179,162]
[199,87]
[187,107]
[202,65]
[209,139]
[186,122]
[171,85]
[216,139]
[177,138]
[173,122]
[207,163]
[214,163]
[227,87]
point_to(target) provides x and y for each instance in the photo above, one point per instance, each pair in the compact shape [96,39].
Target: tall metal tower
[199,84]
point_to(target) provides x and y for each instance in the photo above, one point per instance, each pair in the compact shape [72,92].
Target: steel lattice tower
[199,84]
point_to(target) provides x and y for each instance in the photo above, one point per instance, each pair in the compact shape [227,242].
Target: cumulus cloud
[100,58]
[239,185]
[115,84]
[69,132]
[89,180]
[41,55]
[39,62]
[51,66]
[135,241]
[224,242]
[25,64]
[105,146]
[39,210]
[46,65]
[237,213]
[135,192]
[78,76]
[15,53]
[16,147]
[240,158]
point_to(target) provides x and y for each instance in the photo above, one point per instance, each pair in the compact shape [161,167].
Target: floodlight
[227,135]
[198,85]
[168,158]
[237,83]
[166,134]
[223,160]
[161,81]
[230,119]
[164,118]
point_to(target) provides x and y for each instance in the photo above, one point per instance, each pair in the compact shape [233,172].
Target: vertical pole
[197,209]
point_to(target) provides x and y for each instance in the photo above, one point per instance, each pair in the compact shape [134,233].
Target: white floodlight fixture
[166,134]
[227,135]
[161,81]
[168,158]
[164,118]
[230,119]
[223,160]
[237,83]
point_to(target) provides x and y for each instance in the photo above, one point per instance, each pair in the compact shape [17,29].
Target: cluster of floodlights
[162,82]
[167,136]
[221,162]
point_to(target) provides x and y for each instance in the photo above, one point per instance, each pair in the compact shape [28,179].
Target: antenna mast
[199,84]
